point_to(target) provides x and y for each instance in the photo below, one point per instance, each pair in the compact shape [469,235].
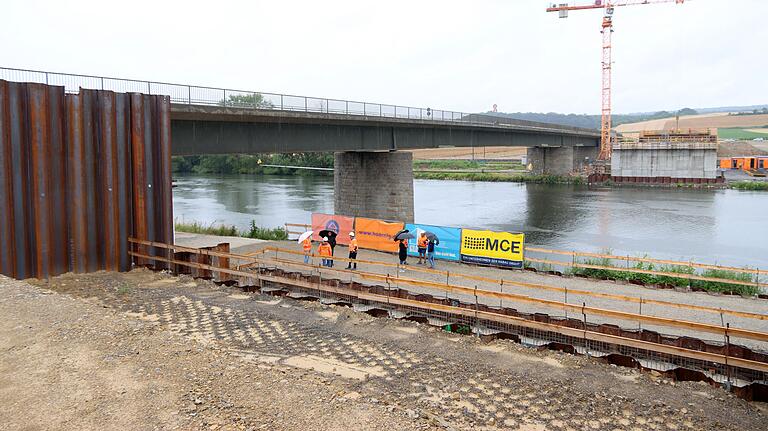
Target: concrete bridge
[372,177]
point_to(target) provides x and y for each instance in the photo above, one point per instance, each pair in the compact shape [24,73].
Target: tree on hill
[250,100]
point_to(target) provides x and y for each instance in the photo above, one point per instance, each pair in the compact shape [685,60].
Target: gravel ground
[144,350]
[75,362]
[752,305]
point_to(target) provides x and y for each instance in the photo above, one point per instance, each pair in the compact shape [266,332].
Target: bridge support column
[560,160]
[374,184]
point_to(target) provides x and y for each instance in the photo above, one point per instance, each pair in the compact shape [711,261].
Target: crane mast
[607,30]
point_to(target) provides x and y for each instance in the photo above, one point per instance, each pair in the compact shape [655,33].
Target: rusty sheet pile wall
[79,175]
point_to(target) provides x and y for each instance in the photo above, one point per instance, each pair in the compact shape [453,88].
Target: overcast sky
[461,55]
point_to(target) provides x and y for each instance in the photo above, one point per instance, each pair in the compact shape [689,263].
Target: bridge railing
[212,96]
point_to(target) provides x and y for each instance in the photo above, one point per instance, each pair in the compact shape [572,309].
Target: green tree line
[253,164]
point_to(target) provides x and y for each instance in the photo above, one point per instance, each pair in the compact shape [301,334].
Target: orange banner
[376,234]
[342,225]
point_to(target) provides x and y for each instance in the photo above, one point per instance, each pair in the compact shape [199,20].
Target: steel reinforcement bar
[505,282]
[448,288]
[491,316]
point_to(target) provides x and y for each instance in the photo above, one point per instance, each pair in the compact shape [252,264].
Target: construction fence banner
[342,225]
[485,247]
[448,246]
[376,234]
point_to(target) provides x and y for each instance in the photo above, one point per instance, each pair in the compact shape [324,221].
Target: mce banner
[485,247]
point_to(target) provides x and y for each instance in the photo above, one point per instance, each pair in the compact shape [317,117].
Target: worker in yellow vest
[352,251]
[324,250]
[307,246]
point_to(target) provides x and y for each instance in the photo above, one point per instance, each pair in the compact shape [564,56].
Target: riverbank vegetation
[254,232]
[670,281]
[253,164]
[750,185]
[498,177]
[457,164]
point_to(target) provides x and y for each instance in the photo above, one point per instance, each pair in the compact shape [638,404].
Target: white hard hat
[325,238]
[351,234]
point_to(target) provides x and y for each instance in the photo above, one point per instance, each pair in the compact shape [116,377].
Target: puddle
[332,366]
[142,316]
[552,362]
[275,302]
[330,315]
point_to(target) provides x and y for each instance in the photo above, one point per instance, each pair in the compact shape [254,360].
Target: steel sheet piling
[79,175]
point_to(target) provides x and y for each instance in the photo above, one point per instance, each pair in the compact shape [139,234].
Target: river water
[728,227]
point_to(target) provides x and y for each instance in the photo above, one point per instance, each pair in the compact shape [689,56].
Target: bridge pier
[560,160]
[374,184]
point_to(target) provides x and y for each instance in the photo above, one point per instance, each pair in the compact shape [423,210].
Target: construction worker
[352,251]
[324,250]
[307,246]
[402,253]
[421,243]
[431,253]
[332,243]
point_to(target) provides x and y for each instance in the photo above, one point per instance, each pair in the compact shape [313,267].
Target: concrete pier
[679,156]
[374,184]
[560,160]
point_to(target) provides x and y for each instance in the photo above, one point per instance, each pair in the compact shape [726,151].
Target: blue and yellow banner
[485,247]
[449,237]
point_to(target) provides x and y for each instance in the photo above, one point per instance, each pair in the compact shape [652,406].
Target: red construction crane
[607,29]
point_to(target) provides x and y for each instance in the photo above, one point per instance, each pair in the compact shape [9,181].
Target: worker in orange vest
[422,246]
[352,251]
[307,246]
[324,250]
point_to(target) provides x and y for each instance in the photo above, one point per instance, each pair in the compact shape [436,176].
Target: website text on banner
[449,247]
[376,234]
[486,247]
[342,225]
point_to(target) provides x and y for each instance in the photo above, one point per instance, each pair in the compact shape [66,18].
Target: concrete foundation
[560,160]
[677,162]
[374,184]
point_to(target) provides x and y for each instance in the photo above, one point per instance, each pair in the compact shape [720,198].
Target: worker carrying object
[324,250]
[352,251]
[307,246]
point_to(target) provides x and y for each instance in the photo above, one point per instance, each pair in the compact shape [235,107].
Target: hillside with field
[739,127]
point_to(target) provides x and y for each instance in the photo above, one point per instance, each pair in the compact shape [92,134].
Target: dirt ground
[145,350]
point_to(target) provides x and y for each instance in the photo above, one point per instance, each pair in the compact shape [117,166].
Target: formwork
[666,157]
[80,174]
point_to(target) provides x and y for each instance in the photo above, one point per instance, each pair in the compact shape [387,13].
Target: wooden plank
[505,282]
[661,321]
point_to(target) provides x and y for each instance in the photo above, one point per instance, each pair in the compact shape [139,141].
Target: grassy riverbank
[498,177]
[749,185]
[663,280]
[466,164]
[254,232]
